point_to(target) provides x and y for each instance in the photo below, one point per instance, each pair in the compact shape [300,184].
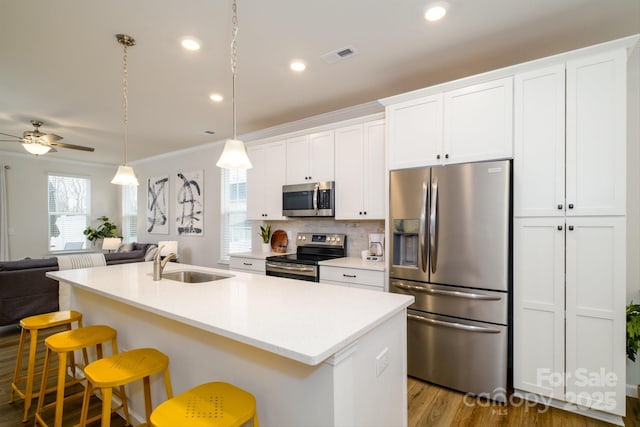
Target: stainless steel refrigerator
[450,233]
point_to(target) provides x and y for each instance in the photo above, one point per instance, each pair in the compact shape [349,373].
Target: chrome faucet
[158,265]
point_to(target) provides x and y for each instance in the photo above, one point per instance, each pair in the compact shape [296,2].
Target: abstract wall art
[190,203]
[157,206]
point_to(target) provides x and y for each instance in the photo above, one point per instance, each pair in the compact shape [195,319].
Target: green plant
[265,233]
[105,229]
[633,330]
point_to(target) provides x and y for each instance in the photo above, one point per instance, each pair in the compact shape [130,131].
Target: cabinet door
[595,305]
[298,160]
[596,134]
[321,156]
[374,170]
[350,172]
[255,183]
[478,122]
[264,182]
[538,312]
[539,142]
[415,132]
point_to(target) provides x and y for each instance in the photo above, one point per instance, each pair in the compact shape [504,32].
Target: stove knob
[331,239]
[337,239]
[304,237]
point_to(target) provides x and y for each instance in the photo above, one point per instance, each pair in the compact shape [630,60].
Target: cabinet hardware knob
[571,227]
[438,157]
[365,212]
[559,228]
[570,205]
[446,156]
[560,207]
[360,213]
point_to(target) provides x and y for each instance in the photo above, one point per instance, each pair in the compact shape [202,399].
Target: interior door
[470,224]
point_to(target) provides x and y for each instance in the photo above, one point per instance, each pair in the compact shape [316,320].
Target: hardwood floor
[434,406]
[429,405]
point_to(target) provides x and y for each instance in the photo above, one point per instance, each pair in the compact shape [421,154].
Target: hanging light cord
[126,101]
[234,61]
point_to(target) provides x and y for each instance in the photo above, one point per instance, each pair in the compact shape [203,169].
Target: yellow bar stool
[34,324]
[215,404]
[121,369]
[64,343]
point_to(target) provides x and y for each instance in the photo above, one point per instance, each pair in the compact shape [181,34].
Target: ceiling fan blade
[72,146]
[50,137]
[9,140]
[13,136]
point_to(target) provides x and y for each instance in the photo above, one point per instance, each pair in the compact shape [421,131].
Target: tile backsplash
[357,231]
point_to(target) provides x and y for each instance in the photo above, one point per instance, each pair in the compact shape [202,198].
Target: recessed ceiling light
[297,65]
[216,97]
[436,11]
[190,43]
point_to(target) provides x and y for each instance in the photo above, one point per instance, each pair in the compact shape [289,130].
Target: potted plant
[633,333]
[105,229]
[265,233]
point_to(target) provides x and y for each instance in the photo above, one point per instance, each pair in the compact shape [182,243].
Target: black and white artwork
[190,203]
[157,206]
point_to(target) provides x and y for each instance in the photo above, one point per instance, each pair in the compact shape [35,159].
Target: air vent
[339,54]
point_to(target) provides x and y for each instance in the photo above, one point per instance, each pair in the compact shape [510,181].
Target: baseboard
[632,390]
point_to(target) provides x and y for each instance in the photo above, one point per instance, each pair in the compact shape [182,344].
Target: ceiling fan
[36,142]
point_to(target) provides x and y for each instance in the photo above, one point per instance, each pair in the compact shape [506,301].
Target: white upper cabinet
[265,180]
[359,171]
[473,123]
[596,135]
[415,132]
[478,122]
[539,101]
[593,171]
[310,158]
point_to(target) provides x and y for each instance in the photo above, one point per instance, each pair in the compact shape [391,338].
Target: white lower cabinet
[569,310]
[247,265]
[352,277]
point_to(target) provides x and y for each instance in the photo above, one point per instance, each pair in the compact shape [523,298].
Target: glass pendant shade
[35,148]
[125,176]
[234,156]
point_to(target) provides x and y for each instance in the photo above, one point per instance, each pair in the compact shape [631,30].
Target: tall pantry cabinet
[569,231]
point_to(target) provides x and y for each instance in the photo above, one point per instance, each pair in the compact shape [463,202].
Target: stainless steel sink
[190,276]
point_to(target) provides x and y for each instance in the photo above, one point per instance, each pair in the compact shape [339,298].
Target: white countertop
[354,262]
[304,321]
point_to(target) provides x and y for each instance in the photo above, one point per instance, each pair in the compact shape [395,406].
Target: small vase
[266,248]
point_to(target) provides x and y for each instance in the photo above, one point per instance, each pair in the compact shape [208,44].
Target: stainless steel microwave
[309,199]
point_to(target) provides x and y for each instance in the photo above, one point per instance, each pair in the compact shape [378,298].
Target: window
[129,213]
[236,230]
[69,202]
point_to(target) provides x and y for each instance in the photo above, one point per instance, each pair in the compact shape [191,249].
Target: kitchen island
[312,354]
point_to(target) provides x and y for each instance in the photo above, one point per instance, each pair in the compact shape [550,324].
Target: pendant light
[125,174]
[234,155]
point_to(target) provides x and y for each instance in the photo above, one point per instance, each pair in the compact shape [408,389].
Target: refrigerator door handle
[456,294]
[423,226]
[433,226]
[468,328]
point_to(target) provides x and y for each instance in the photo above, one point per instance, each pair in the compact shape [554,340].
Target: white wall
[198,250]
[633,196]
[27,198]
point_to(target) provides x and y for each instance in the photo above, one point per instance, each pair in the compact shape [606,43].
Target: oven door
[292,270]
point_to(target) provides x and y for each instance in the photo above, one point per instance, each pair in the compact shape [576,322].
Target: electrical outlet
[382,361]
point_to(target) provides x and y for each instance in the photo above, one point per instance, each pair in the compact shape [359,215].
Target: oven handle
[468,328]
[290,267]
[457,294]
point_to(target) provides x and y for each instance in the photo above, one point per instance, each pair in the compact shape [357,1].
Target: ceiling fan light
[125,176]
[234,156]
[35,148]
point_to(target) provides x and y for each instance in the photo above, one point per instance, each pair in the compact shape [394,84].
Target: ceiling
[61,63]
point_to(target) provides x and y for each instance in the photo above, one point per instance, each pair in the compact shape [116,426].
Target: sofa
[26,291]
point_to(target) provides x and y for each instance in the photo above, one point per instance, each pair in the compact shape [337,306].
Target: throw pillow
[151,252]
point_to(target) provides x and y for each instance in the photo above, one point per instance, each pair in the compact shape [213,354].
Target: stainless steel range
[312,248]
